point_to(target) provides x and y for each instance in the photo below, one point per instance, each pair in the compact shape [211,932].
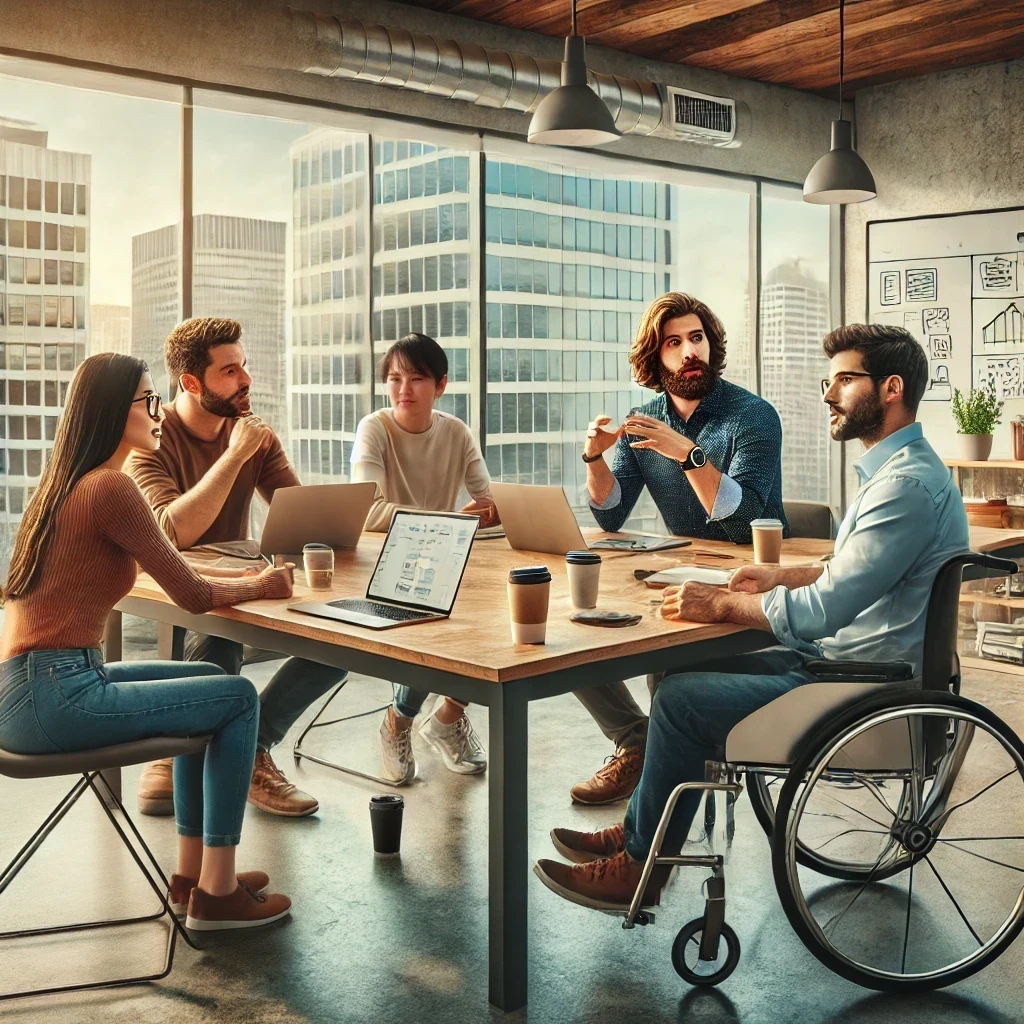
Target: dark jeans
[67,700]
[409,701]
[294,686]
[692,714]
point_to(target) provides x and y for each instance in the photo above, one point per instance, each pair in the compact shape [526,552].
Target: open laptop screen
[423,559]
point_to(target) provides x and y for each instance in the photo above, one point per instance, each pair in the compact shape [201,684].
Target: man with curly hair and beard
[709,452]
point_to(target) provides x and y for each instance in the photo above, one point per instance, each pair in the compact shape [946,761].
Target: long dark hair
[88,434]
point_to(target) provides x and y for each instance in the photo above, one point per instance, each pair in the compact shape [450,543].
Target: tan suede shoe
[270,791]
[607,884]
[181,888]
[614,780]
[242,909]
[156,788]
[583,847]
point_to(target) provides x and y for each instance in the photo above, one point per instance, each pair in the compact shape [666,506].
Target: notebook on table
[417,575]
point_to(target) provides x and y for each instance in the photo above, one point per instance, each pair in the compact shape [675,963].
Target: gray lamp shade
[840,176]
[573,114]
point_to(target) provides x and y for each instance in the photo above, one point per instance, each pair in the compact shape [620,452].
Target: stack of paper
[1001,641]
[681,574]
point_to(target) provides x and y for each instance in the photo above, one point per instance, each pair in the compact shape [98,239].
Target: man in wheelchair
[867,604]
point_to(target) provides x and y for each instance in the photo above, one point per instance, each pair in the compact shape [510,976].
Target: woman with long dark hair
[84,535]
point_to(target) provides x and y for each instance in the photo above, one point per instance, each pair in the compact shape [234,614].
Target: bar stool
[90,765]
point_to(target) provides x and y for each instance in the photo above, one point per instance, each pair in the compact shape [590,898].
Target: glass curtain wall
[77,188]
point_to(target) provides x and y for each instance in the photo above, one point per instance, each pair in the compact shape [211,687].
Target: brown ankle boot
[614,780]
[270,791]
[607,884]
[156,788]
[583,847]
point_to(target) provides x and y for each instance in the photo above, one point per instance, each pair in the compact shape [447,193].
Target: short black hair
[420,353]
[885,352]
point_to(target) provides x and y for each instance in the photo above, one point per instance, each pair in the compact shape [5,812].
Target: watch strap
[591,458]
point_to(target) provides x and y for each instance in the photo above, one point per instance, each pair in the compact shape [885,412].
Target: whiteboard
[957,284]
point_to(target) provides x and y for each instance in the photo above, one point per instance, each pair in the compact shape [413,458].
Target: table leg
[507,848]
[170,642]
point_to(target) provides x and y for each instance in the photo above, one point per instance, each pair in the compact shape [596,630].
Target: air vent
[710,120]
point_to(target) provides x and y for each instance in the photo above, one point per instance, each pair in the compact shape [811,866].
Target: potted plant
[975,417]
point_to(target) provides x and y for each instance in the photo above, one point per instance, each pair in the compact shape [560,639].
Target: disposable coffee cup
[386,824]
[318,563]
[529,591]
[767,535]
[584,571]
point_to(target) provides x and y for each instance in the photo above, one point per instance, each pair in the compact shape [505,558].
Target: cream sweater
[423,471]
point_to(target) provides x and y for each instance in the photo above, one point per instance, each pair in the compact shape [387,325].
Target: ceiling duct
[348,48]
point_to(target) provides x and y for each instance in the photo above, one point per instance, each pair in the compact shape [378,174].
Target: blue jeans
[294,686]
[409,701]
[61,701]
[691,716]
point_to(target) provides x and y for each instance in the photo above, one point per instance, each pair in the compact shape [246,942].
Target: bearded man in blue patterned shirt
[709,452]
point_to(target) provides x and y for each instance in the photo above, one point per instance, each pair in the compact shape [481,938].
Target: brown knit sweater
[103,529]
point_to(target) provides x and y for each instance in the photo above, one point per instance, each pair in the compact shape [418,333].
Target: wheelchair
[894,808]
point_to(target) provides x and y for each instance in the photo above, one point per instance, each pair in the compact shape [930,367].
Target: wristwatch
[694,460]
[591,458]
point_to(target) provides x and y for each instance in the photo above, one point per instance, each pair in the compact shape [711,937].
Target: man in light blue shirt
[868,603]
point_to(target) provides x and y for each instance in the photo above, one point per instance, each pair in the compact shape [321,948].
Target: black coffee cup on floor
[386,824]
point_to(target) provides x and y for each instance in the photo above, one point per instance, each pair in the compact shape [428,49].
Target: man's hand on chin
[693,602]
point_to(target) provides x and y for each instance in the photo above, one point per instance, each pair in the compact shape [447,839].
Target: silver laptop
[331,514]
[537,517]
[417,575]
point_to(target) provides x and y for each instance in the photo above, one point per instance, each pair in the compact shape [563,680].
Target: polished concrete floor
[406,940]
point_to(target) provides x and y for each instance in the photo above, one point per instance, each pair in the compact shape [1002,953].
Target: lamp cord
[573,32]
[842,49]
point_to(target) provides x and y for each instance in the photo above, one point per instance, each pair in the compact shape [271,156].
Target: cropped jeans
[67,700]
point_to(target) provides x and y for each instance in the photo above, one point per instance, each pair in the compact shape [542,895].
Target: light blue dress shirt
[870,602]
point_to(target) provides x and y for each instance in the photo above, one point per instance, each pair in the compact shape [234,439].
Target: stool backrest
[810,519]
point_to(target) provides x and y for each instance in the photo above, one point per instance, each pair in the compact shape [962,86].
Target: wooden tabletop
[476,641]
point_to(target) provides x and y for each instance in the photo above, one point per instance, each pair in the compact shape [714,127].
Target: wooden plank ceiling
[788,42]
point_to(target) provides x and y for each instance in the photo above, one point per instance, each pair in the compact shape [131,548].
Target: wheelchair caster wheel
[686,955]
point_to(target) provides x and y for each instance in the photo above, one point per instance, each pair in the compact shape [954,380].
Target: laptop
[417,575]
[331,514]
[537,517]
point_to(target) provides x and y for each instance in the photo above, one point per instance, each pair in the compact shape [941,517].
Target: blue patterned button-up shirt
[869,604]
[742,437]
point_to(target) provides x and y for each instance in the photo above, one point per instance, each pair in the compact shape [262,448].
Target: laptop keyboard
[381,611]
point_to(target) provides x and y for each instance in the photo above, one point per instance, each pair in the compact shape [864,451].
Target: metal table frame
[507,703]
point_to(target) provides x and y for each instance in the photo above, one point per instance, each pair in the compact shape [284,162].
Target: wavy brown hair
[187,348]
[88,434]
[645,353]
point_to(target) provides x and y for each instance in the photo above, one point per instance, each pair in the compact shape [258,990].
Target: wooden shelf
[987,463]
[1008,602]
[991,665]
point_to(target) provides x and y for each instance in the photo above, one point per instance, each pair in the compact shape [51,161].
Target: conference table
[470,656]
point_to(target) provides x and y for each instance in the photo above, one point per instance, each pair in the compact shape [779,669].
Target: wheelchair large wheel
[952,851]
[837,790]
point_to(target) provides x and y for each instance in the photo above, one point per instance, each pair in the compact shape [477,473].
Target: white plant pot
[974,447]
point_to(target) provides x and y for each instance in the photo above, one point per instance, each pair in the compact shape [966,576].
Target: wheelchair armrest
[866,671]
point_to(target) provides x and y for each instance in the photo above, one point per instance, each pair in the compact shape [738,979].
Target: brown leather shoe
[181,888]
[584,847]
[614,780]
[242,909]
[270,791]
[607,884]
[156,788]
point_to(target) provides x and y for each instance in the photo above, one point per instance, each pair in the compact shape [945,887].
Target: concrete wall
[253,44]
[946,143]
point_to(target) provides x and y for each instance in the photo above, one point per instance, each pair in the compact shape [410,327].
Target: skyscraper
[794,319]
[44,297]
[238,271]
[330,376]
[110,329]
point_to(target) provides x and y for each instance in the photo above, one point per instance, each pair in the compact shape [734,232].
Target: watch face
[697,457]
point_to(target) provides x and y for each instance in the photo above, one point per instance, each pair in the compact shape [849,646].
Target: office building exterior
[45,206]
[238,272]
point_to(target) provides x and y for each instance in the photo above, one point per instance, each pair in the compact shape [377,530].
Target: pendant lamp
[840,176]
[573,114]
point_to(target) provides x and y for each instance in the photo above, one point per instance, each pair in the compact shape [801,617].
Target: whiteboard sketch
[940,346]
[998,273]
[939,389]
[912,323]
[936,321]
[1004,328]
[922,285]
[1003,374]
[890,289]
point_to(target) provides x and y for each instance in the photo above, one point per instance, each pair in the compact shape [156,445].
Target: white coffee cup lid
[765,524]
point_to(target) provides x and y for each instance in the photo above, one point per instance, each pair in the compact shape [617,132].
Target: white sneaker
[457,743]
[396,748]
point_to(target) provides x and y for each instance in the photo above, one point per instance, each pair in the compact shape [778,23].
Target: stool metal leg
[298,752]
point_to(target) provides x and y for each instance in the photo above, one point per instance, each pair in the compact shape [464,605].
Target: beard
[859,420]
[675,382]
[230,408]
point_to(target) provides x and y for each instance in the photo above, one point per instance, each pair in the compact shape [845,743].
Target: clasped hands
[701,602]
[485,509]
[655,435]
